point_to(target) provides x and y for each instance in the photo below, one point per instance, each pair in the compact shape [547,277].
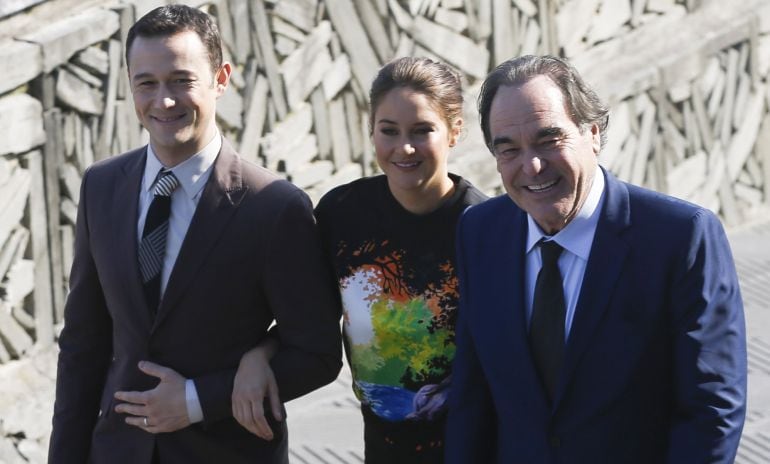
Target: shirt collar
[577,236]
[189,172]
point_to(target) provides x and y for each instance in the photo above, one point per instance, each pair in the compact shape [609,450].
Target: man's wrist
[194,409]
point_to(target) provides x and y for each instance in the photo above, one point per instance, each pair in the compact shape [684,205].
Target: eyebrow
[550,132]
[147,75]
[540,134]
[500,141]
[418,123]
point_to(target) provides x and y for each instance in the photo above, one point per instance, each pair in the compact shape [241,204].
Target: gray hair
[583,105]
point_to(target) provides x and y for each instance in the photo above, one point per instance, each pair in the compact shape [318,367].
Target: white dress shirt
[576,238]
[192,174]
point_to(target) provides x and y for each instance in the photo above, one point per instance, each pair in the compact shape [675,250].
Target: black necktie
[546,334]
[152,249]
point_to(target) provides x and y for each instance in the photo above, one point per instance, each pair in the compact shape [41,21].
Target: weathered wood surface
[363,59]
[691,120]
[21,124]
[70,35]
[9,7]
[645,57]
[22,62]
[40,277]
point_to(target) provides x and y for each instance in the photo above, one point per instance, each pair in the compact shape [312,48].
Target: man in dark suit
[165,300]
[599,322]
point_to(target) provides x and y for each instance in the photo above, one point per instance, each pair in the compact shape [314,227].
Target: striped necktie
[152,248]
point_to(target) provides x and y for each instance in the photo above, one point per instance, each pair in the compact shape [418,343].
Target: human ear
[222,77]
[596,138]
[455,131]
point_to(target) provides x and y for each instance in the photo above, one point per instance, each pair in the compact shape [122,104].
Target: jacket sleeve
[303,296]
[85,346]
[709,346]
[471,424]
[303,299]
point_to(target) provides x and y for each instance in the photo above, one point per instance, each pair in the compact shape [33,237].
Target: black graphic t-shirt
[397,280]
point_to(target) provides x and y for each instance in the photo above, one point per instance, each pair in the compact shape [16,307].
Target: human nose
[165,98]
[532,163]
[406,148]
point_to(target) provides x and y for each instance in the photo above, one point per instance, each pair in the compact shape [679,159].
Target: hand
[162,409]
[430,401]
[253,382]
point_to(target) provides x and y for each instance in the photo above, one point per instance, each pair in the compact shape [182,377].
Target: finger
[265,432]
[132,409]
[138,421]
[238,413]
[134,397]
[260,423]
[275,400]
[155,370]
[248,420]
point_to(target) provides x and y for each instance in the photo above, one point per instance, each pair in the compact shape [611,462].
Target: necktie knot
[550,252]
[166,183]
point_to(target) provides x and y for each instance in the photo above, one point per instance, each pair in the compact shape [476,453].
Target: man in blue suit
[599,322]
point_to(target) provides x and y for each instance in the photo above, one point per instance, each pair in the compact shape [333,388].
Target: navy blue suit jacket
[655,366]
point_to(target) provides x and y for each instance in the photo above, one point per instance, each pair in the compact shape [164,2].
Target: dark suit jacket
[655,367]
[251,255]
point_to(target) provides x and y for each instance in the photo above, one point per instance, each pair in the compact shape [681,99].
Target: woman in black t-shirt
[390,240]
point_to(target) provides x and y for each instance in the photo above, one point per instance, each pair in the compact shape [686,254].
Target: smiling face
[546,162]
[175,93]
[412,142]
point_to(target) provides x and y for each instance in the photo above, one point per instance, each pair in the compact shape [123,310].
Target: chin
[402,178]
[407,185]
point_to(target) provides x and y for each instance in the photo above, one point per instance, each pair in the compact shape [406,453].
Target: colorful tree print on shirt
[398,320]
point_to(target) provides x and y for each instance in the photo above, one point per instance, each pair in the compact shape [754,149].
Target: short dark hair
[172,19]
[583,105]
[437,81]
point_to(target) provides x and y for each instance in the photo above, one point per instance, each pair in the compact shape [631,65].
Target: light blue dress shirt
[576,238]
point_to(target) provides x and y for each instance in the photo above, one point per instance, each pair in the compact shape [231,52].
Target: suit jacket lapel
[125,206]
[512,317]
[219,200]
[527,375]
[503,319]
[608,254]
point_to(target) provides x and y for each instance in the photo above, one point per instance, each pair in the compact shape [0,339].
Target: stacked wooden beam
[21,129]
[10,7]
[59,114]
[687,81]
[302,102]
[690,124]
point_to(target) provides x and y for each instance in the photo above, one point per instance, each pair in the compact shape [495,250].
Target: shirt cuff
[194,410]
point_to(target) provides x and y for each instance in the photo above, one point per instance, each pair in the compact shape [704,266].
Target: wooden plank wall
[689,117]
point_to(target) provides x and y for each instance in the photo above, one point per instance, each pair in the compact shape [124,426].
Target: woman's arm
[254,382]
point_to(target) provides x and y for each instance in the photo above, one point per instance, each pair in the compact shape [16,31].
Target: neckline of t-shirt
[460,187]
